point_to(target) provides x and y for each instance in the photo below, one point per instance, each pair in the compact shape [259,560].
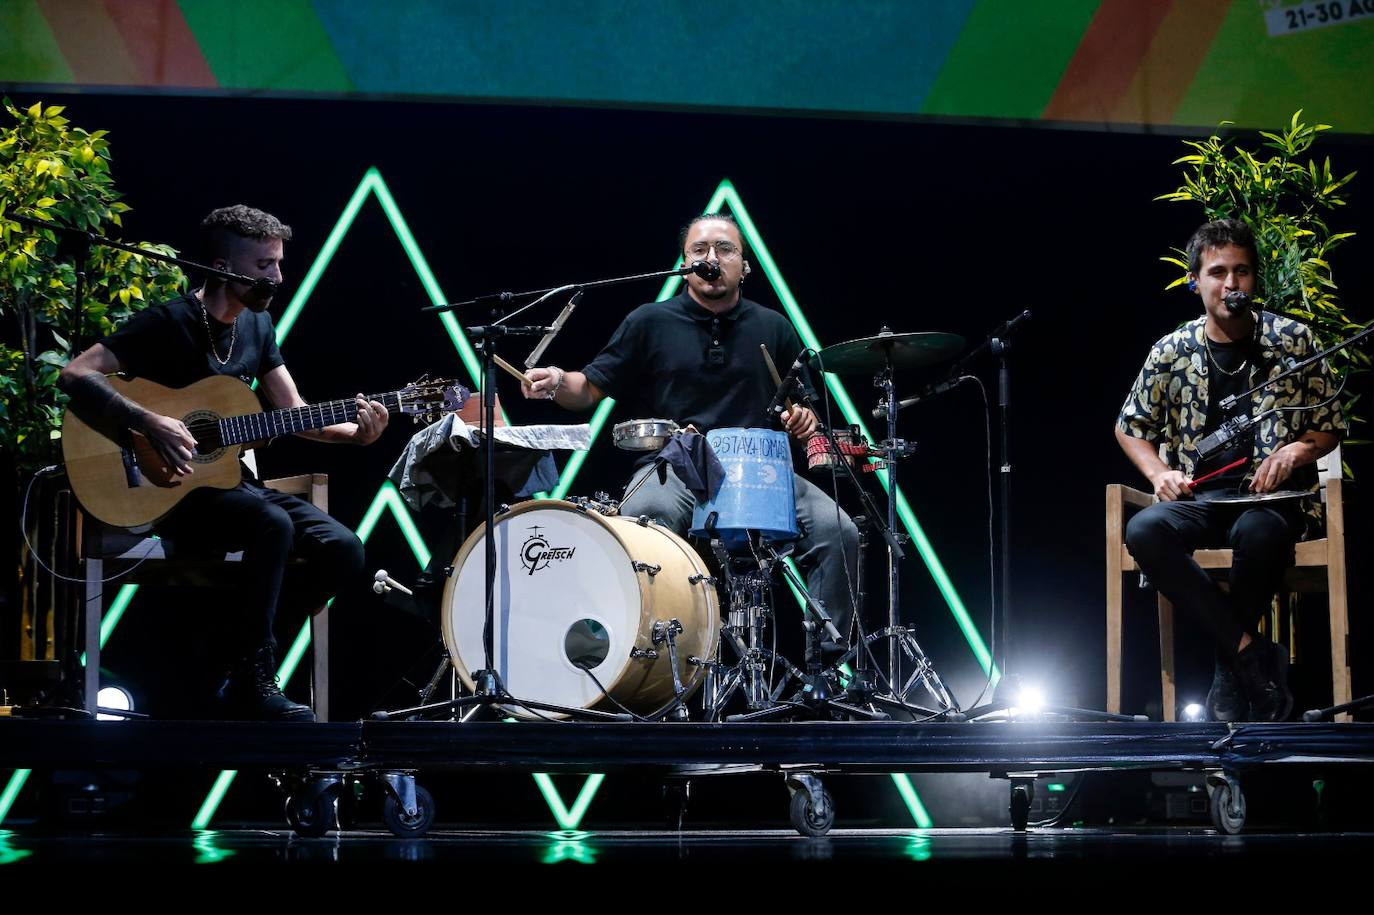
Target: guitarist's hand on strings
[172,440]
[371,421]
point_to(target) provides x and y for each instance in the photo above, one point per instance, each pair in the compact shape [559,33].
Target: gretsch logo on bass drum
[536,553]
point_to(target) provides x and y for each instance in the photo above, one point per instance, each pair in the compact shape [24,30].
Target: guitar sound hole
[205,430]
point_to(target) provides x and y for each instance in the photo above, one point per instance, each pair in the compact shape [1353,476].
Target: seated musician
[695,359]
[1176,401]
[223,329]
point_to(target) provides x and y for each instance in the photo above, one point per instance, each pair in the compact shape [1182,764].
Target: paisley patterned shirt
[1167,405]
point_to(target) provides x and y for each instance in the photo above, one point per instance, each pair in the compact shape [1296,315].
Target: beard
[715,292]
[251,298]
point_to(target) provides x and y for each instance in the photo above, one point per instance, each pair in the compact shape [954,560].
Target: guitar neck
[254,427]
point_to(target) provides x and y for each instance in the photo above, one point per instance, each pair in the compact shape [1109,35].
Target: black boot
[1263,671]
[252,694]
[1226,699]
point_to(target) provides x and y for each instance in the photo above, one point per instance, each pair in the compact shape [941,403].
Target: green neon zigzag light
[373,183]
[570,818]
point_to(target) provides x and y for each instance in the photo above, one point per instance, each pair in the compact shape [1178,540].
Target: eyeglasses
[725,250]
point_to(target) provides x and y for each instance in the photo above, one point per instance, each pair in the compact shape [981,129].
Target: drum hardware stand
[820,690]
[746,621]
[667,631]
[489,692]
[893,450]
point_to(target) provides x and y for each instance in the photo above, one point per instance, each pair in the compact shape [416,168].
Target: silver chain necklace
[233,335]
[1213,359]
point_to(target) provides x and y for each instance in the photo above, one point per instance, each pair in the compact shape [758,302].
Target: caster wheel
[1020,807]
[409,826]
[1227,806]
[812,815]
[312,813]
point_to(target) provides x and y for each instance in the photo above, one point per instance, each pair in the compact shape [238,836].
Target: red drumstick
[1208,476]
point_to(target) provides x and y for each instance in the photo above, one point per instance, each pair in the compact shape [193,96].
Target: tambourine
[643,434]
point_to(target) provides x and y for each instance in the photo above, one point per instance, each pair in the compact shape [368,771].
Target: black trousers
[1163,537]
[268,526]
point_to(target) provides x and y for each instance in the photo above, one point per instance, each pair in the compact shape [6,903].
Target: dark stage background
[917,225]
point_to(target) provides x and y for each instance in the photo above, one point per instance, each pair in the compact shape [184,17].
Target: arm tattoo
[98,403]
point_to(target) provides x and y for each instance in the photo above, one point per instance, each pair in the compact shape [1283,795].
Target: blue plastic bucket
[758,493]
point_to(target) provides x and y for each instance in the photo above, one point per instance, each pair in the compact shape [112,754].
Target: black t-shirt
[1227,358]
[168,343]
[676,360]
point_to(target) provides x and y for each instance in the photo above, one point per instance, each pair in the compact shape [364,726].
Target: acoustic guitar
[126,483]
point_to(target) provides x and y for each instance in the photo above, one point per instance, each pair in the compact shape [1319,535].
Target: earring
[1192,285]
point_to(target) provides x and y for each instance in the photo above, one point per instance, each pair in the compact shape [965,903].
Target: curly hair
[1218,234]
[226,224]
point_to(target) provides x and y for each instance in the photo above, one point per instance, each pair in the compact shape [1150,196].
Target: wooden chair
[1319,565]
[98,544]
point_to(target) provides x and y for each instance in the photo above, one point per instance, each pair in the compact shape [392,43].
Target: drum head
[1256,498]
[567,599]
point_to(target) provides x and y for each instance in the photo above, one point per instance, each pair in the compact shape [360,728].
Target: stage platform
[1001,748]
[316,762]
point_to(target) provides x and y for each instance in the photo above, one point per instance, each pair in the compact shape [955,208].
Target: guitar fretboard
[253,427]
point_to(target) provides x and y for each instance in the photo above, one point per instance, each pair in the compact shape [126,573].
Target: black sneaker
[1226,699]
[252,694]
[1263,673]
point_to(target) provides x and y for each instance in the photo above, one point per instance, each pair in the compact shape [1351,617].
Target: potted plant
[1286,198]
[53,172]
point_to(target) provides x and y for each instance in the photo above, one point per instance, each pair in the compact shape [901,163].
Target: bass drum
[576,591]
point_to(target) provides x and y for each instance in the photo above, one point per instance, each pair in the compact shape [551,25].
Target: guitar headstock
[426,400]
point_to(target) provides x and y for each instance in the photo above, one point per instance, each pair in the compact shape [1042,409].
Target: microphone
[1237,302]
[707,270]
[1222,436]
[259,295]
[929,391]
[788,382]
[554,328]
[382,583]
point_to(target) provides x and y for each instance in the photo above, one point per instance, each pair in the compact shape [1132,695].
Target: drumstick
[773,370]
[512,369]
[1217,472]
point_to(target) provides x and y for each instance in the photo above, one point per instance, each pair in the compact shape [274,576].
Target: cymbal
[906,351]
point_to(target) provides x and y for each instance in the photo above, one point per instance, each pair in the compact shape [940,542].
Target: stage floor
[1182,848]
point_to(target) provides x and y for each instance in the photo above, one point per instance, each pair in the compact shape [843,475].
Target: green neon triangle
[726,197]
[388,499]
[568,818]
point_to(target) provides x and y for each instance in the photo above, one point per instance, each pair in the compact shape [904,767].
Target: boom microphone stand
[488,689]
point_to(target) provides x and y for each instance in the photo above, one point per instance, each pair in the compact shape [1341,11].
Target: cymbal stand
[901,640]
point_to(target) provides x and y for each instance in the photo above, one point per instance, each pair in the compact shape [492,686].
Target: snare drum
[758,494]
[643,434]
[578,591]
